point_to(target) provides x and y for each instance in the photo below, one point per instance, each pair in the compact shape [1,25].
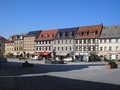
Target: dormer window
[46,36]
[71,34]
[51,35]
[41,36]
[80,33]
[65,34]
[93,33]
[85,33]
[59,34]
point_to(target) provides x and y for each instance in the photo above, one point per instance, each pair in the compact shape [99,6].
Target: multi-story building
[86,41]
[109,42]
[44,42]
[2,45]
[64,41]
[19,45]
[9,48]
[29,43]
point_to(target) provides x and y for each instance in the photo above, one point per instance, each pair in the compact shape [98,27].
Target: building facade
[9,48]
[109,42]
[2,45]
[29,43]
[86,41]
[44,43]
[64,42]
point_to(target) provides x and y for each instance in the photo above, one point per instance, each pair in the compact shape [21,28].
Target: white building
[109,42]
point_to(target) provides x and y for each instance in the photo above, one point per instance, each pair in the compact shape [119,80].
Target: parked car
[67,59]
[3,60]
[36,58]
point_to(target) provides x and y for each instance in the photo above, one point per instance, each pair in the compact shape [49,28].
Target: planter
[111,65]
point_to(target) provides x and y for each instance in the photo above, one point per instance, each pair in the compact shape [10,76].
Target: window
[62,48]
[49,42]
[116,40]
[62,41]
[110,48]
[86,33]
[109,40]
[71,34]
[105,48]
[49,48]
[80,41]
[100,40]
[80,34]
[93,33]
[46,36]
[45,48]
[93,40]
[110,57]
[80,48]
[117,57]
[66,48]
[58,48]
[70,41]
[89,41]
[117,48]
[104,40]
[94,49]
[84,41]
[51,35]
[76,41]
[66,41]
[89,48]
[76,48]
[101,48]
[54,42]
[41,36]
[55,48]
[58,42]
[59,34]
[65,34]
[84,48]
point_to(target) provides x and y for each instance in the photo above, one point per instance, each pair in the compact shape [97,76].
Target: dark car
[3,60]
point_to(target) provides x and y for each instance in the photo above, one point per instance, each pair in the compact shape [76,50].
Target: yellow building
[29,48]
[9,48]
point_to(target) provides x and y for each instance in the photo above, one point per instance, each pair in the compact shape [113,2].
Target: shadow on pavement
[46,82]
[16,68]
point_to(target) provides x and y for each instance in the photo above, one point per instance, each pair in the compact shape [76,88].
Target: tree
[93,56]
[54,54]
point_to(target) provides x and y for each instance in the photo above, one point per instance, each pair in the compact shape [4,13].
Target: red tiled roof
[89,31]
[13,37]
[47,35]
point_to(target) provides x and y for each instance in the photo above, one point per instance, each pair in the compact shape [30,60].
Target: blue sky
[20,16]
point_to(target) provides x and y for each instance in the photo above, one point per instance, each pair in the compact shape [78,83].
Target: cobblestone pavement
[70,76]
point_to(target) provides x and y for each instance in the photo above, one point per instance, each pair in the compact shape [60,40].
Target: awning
[61,54]
[42,53]
[17,53]
[46,53]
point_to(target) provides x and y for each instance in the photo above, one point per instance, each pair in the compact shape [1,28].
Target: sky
[21,16]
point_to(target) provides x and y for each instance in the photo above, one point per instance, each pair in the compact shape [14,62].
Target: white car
[67,59]
[35,58]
